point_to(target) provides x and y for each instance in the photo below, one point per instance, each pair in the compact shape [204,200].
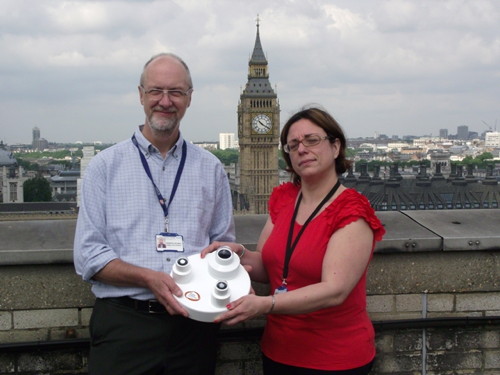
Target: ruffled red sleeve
[351,206]
[281,197]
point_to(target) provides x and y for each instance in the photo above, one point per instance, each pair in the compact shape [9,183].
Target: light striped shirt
[120,214]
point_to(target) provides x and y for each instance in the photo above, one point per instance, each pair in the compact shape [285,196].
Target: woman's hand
[244,308]
[235,248]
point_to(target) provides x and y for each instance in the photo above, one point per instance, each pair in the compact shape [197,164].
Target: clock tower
[258,133]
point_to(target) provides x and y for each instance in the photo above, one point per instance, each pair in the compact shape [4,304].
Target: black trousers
[129,342]
[275,368]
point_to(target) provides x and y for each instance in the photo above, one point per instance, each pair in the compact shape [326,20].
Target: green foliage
[371,164]
[282,163]
[485,156]
[27,165]
[481,161]
[60,154]
[37,189]
[350,153]
[31,161]
[227,156]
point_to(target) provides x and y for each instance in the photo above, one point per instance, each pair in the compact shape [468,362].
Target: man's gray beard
[165,126]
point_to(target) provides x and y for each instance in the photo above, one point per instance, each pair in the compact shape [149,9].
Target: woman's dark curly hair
[332,129]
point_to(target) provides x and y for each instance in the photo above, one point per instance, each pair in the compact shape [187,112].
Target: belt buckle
[152,307]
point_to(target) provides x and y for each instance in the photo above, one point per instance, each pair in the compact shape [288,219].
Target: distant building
[11,178]
[36,134]
[7,159]
[440,161]
[38,143]
[207,145]
[397,146]
[492,139]
[443,133]
[463,132]
[88,154]
[64,186]
[226,140]
[11,184]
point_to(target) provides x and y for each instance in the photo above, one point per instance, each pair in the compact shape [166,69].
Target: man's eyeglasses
[157,94]
[309,140]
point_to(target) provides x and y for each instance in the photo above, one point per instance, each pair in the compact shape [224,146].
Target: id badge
[280,289]
[169,242]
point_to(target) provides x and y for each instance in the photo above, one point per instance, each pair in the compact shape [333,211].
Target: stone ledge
[407,232]
[47,286]
[58,337]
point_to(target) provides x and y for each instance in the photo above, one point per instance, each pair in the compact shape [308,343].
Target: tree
[350,153]
[37,189]
[481,161]
[485,156]
[227,156]
[282,163]
[27,165]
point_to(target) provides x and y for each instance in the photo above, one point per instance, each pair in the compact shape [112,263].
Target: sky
[394,67]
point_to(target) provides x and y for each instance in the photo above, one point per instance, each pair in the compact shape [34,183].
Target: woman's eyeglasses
[309,140]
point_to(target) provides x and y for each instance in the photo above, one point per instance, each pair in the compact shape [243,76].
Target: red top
[334,338]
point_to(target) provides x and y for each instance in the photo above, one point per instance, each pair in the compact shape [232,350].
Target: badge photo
[169,242]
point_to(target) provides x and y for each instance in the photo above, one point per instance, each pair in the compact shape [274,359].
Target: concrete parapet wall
[433,294]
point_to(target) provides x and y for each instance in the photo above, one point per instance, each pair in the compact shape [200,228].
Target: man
[154,185]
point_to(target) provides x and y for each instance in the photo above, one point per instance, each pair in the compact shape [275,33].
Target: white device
[209,284]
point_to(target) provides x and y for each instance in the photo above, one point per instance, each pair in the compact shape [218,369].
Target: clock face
[261,124]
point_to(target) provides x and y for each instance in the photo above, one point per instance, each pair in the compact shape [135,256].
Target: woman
[314,252]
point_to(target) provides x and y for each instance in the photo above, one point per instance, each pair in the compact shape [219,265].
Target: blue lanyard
[161,200]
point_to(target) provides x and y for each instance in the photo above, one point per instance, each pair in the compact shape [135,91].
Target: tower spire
[258,56]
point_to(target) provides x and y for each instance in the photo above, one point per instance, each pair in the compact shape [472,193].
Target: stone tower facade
[258,133]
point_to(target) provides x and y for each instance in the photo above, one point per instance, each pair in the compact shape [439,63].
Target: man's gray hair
[167,54]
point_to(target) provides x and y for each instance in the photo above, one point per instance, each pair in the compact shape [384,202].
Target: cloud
[396,67]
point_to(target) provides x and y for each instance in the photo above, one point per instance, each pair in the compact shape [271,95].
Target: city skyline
[389,67]
[231,138]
